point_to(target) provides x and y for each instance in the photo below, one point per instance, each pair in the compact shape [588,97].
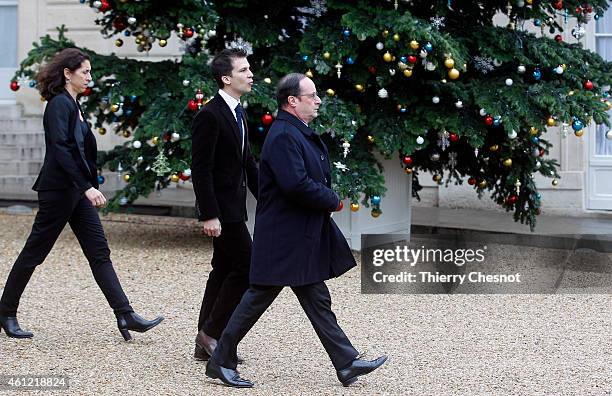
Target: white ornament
[131,20]
[512,134]
[212,33]
[175,137]
[136,144]
[538,164]
[509,82]
[420,140]
[609,135]
[458,104]
[186,83]
[497,62]
[380,46]
[520,3]
[139,159]
[382,93]
[97,4]
[559,69]
[435,100]
[187,172]
[90,84]
[119,112]
[430,66]
[483,112]
[392,72]
[423,54]
[521,69]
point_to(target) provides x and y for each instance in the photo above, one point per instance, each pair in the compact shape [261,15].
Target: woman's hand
[96,198]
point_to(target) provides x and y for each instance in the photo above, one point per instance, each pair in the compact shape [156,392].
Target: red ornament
[167,136]
[119,23]
[453,137]
[578,10]
[558,4]
[488,120]
[471,181]
[340,207]
[542,152]
[87,91]
[588,9]
[588,85]
[558,38]
[372,69]
[407,160]
[105,6]
[512,199]
[188,32]
[183,176]
[14,86]
[267,119]
[412,59]
[192,105]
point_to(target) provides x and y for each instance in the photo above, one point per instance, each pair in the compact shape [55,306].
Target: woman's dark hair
[50,78]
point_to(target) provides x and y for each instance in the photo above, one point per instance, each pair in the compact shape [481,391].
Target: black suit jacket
[220,169]
[70,160]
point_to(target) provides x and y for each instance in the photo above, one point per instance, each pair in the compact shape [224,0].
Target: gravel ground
[438,344]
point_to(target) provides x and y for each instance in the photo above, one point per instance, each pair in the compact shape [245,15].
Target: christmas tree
[435,83]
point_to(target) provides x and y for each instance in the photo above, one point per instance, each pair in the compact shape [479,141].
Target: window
[603,42]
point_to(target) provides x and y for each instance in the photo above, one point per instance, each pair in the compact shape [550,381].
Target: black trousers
[229,278]
[56,208]
[316,303]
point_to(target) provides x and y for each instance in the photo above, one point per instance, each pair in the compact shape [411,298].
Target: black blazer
[296,242]
[220,170]
[70,160]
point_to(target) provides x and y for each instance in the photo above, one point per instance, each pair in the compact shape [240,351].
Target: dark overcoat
[296,242]
[221,171]
[70,158]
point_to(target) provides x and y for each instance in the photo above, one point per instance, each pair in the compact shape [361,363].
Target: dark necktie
[240,123]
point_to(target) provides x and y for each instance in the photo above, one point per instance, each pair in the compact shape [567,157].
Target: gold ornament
[359,88]
[126,178]
[570,93]
[330,92]
[482,184]
[550,121]
[115,108]
[309,74]
[118,42]
[533,131]
[508,162]
[375,213]
[408,72]
[126,134]
[437,178]
[354,207]
[163,43]
[529,2]
[396,37]
[102,131]
[408,171]
[402,65]
[579,133]
[174,178]
[326,55]
[387,57]
[555,182]
[370,138]
[449,63]
[494,148]
[385,33]
[155,140]
[608,105]
[414,44]
[453,74]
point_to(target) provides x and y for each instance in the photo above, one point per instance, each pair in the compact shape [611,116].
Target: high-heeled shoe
[133,321]
[12,329]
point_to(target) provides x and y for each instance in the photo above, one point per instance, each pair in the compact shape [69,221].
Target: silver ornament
[131,20]
[382,93]
[380,46]
[435,100]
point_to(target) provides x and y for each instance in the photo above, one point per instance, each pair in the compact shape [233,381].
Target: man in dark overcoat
[296,243]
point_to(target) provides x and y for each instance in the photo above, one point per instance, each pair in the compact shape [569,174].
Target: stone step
[11,111]
[21,153]
[17,187]
[22,138]
[30,124]
[20,168]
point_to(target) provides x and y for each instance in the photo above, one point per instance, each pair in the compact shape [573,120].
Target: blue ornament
[133,98]
[32,84]
[428,47]
[496,121]
[346,32]
[305,58]
[82,1]
[537,74]
[605,94]
[403,59]
[375,200]
[350,60]
[260,129]
[597,16]
[127,33]
[403,110]
[535,139]
[539,195]
[537,22]
[128,112]
[577,125]
[101,179]
[115,118]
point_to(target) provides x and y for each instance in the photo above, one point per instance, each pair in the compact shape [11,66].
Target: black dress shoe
[133,321]
[229,377]
[11,326]
[358,367]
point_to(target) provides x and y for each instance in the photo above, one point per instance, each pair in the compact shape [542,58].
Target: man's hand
[212,227]
[96,198]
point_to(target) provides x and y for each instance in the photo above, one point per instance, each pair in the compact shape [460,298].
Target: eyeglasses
[310,95]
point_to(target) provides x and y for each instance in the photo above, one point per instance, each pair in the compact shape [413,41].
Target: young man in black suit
[222,168]
[296,243]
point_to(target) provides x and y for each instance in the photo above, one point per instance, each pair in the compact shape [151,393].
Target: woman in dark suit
[68,192]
